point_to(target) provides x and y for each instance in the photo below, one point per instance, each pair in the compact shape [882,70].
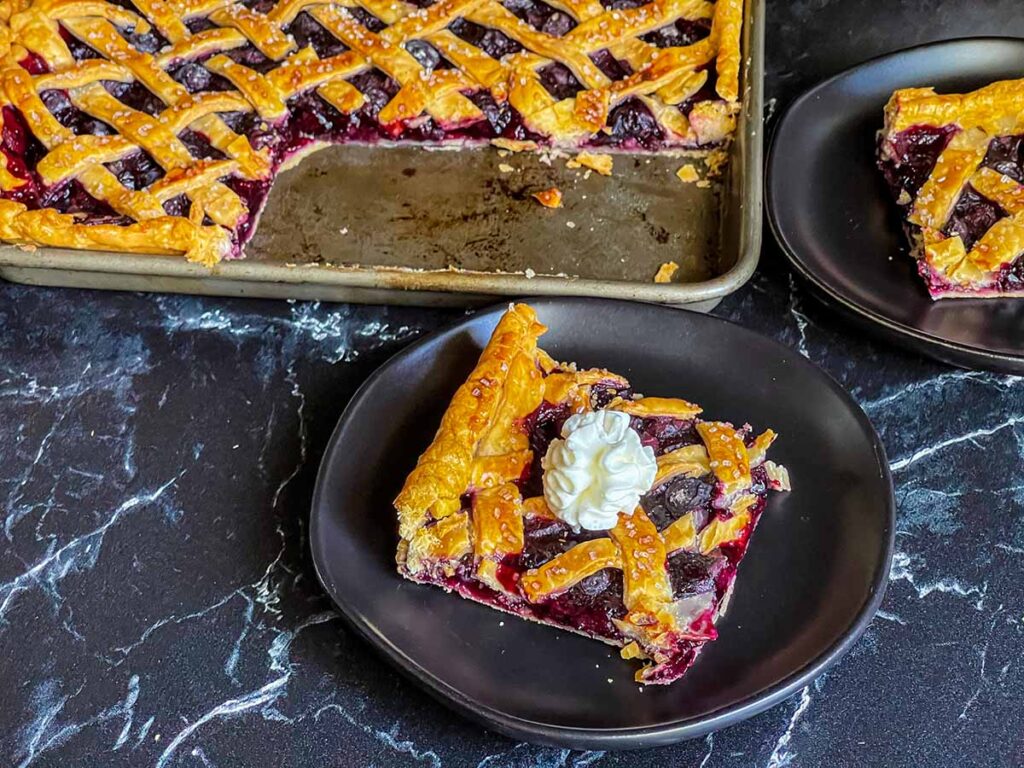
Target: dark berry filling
[137,171]
[631,126]
[670,501]
[545,539]
[559,81]
[367,19]
[71,117]
[681,33]
[307,31]
[612,67]
[135,95]
[972,216]
[542,426]
[494,43]
[692,573]
[1006,156]
[198,79]
[427,55]
[590,605]
[664,433]
[541,16]
[912,155]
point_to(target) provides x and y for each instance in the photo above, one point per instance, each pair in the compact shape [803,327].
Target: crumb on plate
[505,168]
[549,198]
[716,161]
[688,174]
[595,162]
[514,145]
[666,272]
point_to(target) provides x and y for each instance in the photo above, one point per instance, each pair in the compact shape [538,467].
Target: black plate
[809,586]
[834,217]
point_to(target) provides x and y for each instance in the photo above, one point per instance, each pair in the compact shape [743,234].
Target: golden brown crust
[656,406]
[727,453]
[995,109]
[443,472]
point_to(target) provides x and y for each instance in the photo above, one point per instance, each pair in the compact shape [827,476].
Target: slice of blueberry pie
[955,164]
[559,495]
[159,125]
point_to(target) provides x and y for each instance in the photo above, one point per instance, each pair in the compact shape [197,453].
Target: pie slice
[561,496]
[955,164]
[158,126]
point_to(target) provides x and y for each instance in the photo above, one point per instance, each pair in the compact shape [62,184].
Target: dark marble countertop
[157,602]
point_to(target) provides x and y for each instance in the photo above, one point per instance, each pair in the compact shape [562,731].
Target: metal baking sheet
[415,225]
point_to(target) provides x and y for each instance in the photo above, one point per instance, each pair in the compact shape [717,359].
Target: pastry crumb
[503,153]
[586,174]
[505,168]
[530,274]
[666,272]
[595,162]
[343,230]
[549,198]
[688,174]
[571,224]
[514,145]
[716,161]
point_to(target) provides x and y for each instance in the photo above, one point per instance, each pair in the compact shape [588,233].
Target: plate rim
[926,343]
[576,737]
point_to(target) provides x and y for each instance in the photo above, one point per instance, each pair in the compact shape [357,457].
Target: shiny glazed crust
[461,511]
[31,32]
[977,118]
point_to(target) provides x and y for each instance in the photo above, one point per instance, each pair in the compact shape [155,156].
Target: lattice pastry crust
[471,519]
[209,98]
[955,165]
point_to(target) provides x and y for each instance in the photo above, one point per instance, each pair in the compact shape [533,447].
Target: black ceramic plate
[834,217]
[808,587]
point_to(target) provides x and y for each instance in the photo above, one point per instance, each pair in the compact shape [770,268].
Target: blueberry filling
[612,67]
[198,79]
[542,426]
[1006,156]
[912,156]
[559,81]
[591,605]
[665,433]
[545,539]
[670,501]
[367,19]
[681,33]
[135,95]
[427,55]
[307,32]
[137,171]
[692,573]
[541,16]
[71,117]
[631,126]
[972,216]
[494,43]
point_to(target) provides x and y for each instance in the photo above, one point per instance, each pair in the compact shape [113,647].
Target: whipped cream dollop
[597,470]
